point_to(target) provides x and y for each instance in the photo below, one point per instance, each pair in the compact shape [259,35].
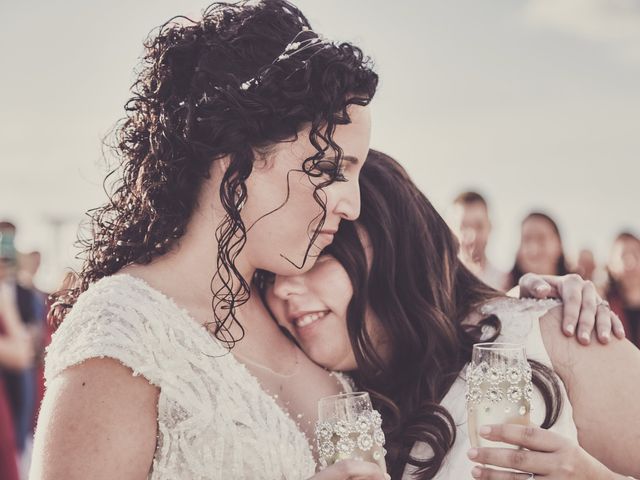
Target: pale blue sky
[536,103]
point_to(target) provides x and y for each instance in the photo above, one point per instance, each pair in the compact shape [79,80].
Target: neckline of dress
[190,319]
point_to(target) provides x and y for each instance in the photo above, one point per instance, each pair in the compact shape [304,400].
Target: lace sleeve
[103,325]
[516,317]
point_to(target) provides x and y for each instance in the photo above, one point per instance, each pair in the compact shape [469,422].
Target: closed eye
[328,166]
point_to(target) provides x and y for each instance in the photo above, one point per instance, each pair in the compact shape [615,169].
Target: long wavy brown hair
[420,293]
[224,86]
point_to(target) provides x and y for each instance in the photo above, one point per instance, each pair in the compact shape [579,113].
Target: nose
[348,205]
[286,287]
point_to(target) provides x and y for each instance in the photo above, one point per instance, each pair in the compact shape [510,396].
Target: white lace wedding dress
[520,324]
[214,419]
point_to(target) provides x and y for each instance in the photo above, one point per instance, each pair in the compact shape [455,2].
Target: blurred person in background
[586,264]
[16,353]
[587,267]
[541,252]
[13,353]
[470,222]
[22,321]
[540,248]
[28,267]
[624,283]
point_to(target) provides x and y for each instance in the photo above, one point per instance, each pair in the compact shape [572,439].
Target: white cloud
[614,22]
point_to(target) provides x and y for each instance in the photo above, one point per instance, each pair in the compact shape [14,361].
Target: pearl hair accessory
[294,47]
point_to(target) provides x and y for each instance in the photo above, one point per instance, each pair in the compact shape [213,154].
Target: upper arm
[603,384]
[96,421]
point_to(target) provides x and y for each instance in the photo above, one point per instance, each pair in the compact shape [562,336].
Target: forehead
[537,225]
[627,245]
[352,138]
[470,212]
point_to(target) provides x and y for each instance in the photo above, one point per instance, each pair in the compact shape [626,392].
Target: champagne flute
[499,389]
[349,427]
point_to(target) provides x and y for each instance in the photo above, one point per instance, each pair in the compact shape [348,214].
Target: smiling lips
[308,318]
[331,232]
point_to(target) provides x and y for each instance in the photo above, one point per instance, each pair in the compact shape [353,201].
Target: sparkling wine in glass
[499,389]
[349,427]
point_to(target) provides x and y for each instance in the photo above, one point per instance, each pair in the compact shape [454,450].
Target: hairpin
[293,48]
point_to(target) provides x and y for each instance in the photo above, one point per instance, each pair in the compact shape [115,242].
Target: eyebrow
[348,158]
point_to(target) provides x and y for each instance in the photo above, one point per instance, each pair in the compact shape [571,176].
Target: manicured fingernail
[606,337]
[585,336]
[485,430]
[476,472]
[570,329]
[387,476]
[620,331]
[473,453]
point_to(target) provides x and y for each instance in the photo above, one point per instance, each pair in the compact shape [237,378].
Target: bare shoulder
[567,354]
[96,421]
[603,385]
[557,344]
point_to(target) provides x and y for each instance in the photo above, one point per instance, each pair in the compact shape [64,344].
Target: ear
[222,165]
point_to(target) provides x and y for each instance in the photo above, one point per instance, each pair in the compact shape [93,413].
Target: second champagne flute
[349,427]
[499,389]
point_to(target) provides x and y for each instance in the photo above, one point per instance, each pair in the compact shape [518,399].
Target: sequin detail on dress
[214,420]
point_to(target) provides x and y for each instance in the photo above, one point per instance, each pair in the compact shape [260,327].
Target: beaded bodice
[214,419]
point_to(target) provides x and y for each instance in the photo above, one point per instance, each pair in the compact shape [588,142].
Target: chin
[288,265]
[320,358]
[344,368]
[330,362]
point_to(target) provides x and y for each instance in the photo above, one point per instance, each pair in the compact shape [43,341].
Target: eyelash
[339,174]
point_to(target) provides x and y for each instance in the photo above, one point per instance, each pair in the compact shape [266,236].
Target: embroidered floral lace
[214,419]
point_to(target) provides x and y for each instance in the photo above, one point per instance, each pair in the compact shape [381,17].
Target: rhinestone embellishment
[495,394]
[514,393]
[378,437]
[342,428]
[345,446]
[376,419]
[528,392]
[324,430]
[495,383]
[363,424]
[327,449]
[365,442]
[360,438]
[514,375]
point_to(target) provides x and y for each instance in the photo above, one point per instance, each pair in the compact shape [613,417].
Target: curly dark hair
[215,88]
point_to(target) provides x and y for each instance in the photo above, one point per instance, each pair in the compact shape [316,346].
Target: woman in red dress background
[15,353]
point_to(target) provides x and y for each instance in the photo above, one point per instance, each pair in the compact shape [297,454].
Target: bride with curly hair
[240,150]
